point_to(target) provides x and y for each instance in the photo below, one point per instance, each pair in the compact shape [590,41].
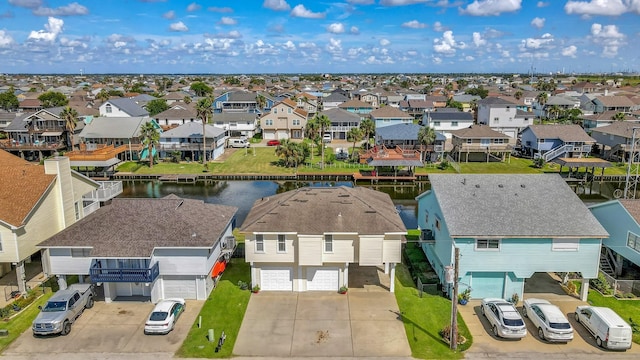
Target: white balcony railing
[92,207]
[107,191]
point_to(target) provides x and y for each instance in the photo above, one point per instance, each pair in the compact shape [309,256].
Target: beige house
[307,239]
[285,121]
[36,202]
[480,143]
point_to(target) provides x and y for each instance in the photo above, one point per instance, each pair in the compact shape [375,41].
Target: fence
[622,286]
[11,292]
[453,163]
[428,288]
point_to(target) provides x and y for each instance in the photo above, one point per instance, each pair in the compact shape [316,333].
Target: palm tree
[262,102]
[368,127]
[312,132]
[324,123]
[291,153]
[103,95]
[542,98]
[150,136]
[619,116]
[354,135]
[70,117]
[187,99]
[518,95]
[574,115]
[426,137]
[204,109]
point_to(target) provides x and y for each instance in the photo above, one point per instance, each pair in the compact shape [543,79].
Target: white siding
[179,287]
[343,249]
[370,251]
[310,250]
[62,263]
[391,251]
[183,261]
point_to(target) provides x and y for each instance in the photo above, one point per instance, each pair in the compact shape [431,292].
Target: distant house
[507,228]
[552,141]
[352,228]
[612,103]
[36,135]
[284,121]
[387,115]
[503,116]
[179,113]
[447,120]
[615,140]
[357,107]
[333,100]
[131,249]
[242,101]
[341,122]
[187,139]
[122,107]
[592,121]
[406,136]
[309,103]
[480,143]
[237,124]
[116,131]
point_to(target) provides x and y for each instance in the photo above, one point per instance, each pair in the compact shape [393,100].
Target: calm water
[243,194]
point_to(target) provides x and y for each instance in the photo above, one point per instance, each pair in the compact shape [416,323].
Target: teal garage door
[487,284]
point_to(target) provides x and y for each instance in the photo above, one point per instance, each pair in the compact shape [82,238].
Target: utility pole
[453,344]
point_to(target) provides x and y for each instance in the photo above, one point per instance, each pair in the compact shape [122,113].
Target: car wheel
[540,334]
[89,303]
[577,317]
[524,312]
[598,342]
[482,310]
[495,331]
[66,328]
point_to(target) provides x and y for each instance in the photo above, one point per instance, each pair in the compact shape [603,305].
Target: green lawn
[423,319]
[625,308]
[22,321]
[223,311]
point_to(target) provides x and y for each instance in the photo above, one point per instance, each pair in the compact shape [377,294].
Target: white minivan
[238,143]
[609,329]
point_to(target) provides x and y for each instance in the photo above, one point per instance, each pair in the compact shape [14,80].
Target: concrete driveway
[109,328]
[322,324]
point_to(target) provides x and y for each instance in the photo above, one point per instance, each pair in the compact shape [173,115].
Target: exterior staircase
[605,265]
[554,153]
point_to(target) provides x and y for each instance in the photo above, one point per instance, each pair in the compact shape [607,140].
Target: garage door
[487,284]
[322,279]
[276,279]
[179,287]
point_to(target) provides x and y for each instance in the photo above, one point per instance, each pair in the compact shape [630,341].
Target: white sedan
[551,323]
[505,320]
[164,316]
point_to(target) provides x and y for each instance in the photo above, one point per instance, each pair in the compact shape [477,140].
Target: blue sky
[332,36]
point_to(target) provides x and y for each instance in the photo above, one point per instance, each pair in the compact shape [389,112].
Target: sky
[327,36]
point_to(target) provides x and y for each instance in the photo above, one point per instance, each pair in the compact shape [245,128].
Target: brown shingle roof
[478,131]
[134,227]
[633,207]
[320,210]
[23,184]
[618,128]
[566,133]
[390,112]
[615,101]
[355,103]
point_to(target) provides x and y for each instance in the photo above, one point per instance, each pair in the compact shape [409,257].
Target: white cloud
[361,2]
[447,45]
[66,10]
[542,4]
[52,29]
[225,20]
[178,26]
[570,51]
[169,15]
[289,45]
[437,26]
[469,58]
[436,60]
[303,12]
[384,42]
[354,30]
[609,37]
[276,5]
[193,7]
[220,9]
[538,22]
[478,41]
[414,24]
[401,2]
[29,4]
[334,46]
[536,43]
[5,39]
[491,7]
[335,28]
[602,7]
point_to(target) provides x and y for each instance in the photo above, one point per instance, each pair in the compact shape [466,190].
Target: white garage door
[276,279]
[322,279]
[179,287]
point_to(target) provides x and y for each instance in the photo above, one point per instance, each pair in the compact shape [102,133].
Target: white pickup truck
[62,310]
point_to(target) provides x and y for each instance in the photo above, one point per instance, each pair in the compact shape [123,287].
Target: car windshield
[158,316]
[513,322]
[53,306]
[561,325]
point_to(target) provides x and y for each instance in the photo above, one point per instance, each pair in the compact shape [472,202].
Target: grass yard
[223,311]
[625,308]
[21,322]
[424,318]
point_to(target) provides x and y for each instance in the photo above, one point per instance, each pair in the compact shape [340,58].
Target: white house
[503,116]
[122,107]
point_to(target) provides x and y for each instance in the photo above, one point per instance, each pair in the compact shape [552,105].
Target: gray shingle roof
[478,131]
[192,130]
[234,116]
[341,115]
[390,112]
[495,101]
[505,205]
[320,210]
[113,128]
[134,227]
[450,116]
[398,132]
[128,106]
[566,133]
[619,128]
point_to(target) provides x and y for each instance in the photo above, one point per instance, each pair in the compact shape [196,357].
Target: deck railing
[100,274]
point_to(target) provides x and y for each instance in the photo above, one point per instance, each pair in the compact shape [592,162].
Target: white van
[609,329]
[238,143]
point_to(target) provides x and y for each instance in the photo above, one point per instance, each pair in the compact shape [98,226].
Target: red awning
[218,268]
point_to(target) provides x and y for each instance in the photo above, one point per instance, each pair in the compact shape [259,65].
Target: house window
[268,122]
[289,110]
[498,141]
[259,243]
[469,141]
[633,241]
[275,110]
[436,123]
[108,108]
[328,243]
[454,123]
[77,209]
[386,120]
[426,217]
[296,122]
[488,244]
[565,245]
[282,244]
[485,142]
[508,109]
[496,120]
[80,252]
[1,243]
[437,223]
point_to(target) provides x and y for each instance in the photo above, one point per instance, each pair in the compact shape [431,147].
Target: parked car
[164,316]
[342,154]
[238,143]
[326,138]
[273,142]
[62,310]
[551,323]
[609,329]
[505,320]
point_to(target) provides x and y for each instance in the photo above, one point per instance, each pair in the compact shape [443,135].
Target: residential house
[357,107]
[555,105]
[242,101]
[388,115]
[467,101]
[553,141]
[30,105]
[503,116]
[284,121]
[333,100]
[36,135]
[237,124]
[187,139]
[585,87]
[175,96]
[590,122]
[308,102]
[367,97]
[417,108]
[406,137]
[6,118]
[122,107]
[480,143]
[37,201]
[341,122]
[446,120]
[615,140]
[621,251]
[507,227]
[351,227]
[151,248]
[120,132]
[179,113]
[612,103]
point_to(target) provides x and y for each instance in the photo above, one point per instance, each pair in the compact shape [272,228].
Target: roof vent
[179,204]
[522,186]
[464,181]
[478,186]
[500,186]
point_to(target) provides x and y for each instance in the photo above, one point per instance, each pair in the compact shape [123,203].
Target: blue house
[507,227]
[388,115]
[621,218]
[553,141]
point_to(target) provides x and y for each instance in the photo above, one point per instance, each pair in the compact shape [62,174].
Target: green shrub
[601,285]
[629,295]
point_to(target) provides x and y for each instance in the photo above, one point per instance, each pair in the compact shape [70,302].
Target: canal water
[242,194]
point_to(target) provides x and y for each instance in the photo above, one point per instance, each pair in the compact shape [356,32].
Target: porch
[99,274]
